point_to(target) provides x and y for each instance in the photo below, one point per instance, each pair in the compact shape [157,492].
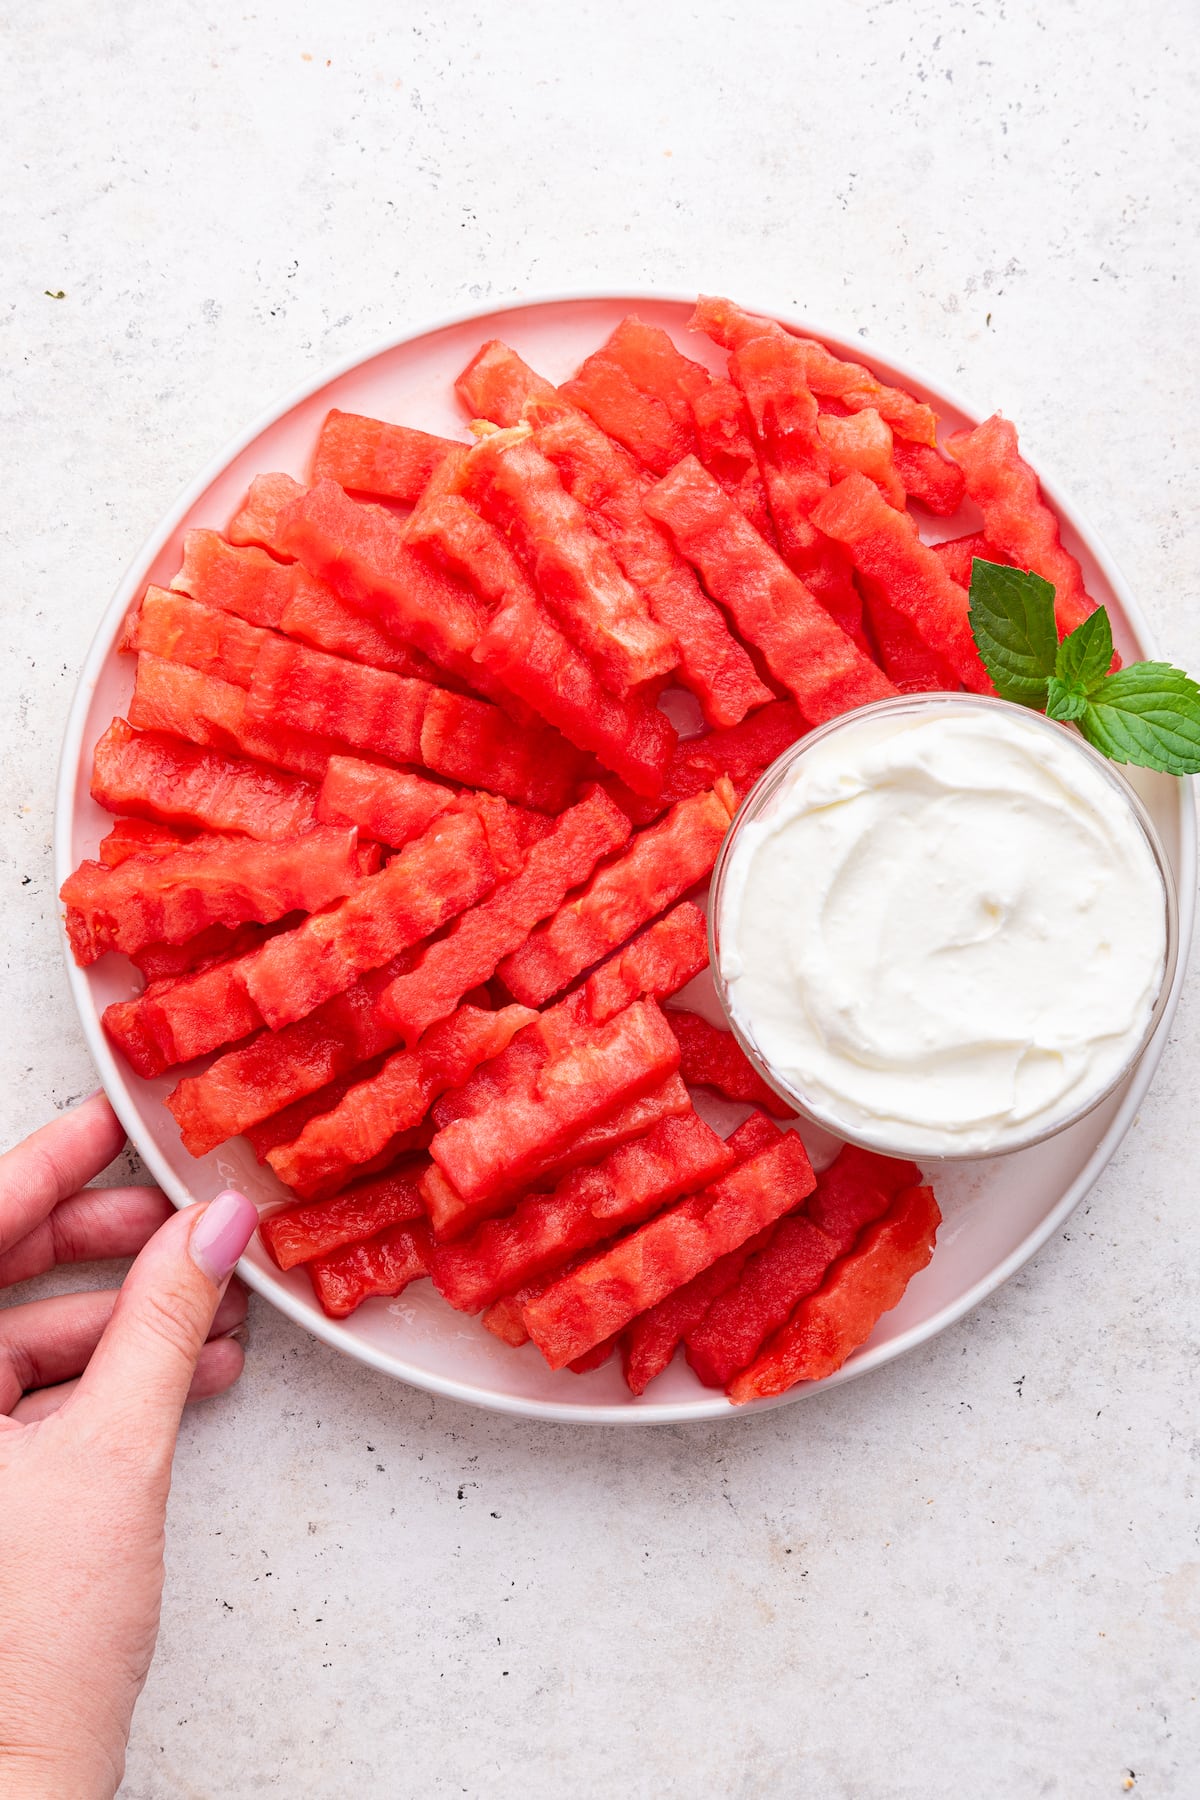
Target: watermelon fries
[409,851]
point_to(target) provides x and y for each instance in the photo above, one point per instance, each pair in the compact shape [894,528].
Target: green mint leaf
[1085,655]
[1012,620]
[1064,702]
[1148,714]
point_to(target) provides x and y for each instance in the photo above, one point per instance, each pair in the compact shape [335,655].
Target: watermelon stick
[160,777]
[586,1207]
[805,649]
[368,456]
[478,941]
[888,552]
[295,1234]
[603,1294]
[843,1312]
[661,863]
[394,1099]
[603,479]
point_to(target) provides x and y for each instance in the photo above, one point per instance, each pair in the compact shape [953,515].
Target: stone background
[979,1571]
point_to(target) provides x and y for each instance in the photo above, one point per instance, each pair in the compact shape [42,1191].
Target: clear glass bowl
[756,803]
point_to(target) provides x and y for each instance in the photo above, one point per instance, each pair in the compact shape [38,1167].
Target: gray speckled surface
[978,1572]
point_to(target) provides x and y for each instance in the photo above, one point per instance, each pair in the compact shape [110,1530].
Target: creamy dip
[945,930]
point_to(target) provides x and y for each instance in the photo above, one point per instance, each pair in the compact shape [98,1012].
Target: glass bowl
[757,804]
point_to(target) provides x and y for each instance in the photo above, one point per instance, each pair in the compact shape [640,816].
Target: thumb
[142,1367]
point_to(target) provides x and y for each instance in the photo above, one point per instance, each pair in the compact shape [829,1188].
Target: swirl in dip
[943,930]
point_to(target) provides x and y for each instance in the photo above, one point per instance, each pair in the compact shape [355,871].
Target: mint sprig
[1147,713]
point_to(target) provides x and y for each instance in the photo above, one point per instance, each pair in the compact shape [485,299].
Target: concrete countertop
[979,1571]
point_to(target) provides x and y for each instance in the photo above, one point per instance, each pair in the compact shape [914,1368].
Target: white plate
[996,1214]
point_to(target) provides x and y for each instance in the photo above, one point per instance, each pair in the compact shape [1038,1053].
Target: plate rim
[333,1332]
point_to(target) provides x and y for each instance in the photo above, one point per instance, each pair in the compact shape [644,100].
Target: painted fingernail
[222,1232]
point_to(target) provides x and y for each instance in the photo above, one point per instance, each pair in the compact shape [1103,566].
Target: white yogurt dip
[945,931]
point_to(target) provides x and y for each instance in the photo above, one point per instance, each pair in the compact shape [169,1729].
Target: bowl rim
[763,792]
[332,1332]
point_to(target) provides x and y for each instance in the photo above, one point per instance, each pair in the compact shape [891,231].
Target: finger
[89,1227]
[54,1163]
[51,1340]
[219,1365]
[138,1380]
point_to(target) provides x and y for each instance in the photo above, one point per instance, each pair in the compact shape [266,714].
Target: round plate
[997,1214]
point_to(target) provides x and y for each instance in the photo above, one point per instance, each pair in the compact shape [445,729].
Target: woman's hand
[92,1386]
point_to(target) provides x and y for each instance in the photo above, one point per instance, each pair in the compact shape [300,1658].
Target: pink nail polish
[222,1232]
